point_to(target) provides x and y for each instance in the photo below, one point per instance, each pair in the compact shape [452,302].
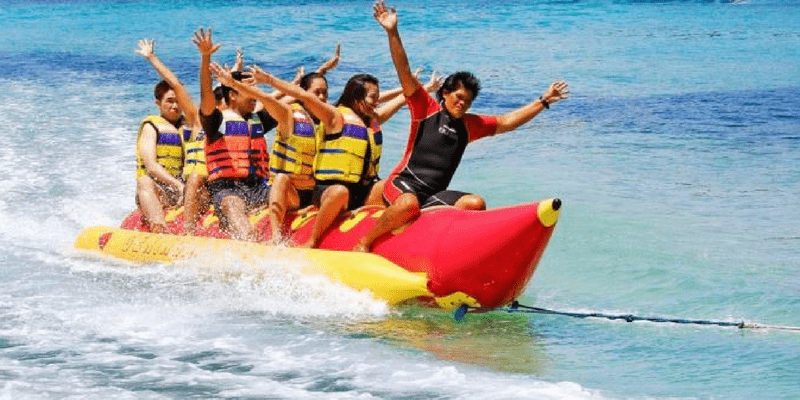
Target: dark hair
[469,81]
[356,90]
[226,90]
[220,92]
[161,89]
[305,81]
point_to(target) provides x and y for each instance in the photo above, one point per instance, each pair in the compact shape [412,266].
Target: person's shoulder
[152,119]
[211,123]
[422,104]
[480,125]
[349,117]
[214,113]
[419,95]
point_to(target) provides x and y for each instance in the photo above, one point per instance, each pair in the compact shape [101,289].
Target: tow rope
[519,308]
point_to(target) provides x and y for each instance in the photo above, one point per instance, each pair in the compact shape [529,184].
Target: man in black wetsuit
[440,132]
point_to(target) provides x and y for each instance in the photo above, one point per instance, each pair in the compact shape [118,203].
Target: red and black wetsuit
[434,149]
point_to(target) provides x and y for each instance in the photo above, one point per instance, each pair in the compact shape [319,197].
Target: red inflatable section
[488,255]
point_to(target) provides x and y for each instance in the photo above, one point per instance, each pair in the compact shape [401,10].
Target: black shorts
[254,192]
[168,194]
[358,192]
[306,198]
[425,196]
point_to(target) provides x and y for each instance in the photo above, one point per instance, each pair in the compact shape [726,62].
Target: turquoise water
[676,157]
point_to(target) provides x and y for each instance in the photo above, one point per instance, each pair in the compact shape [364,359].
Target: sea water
[677,157]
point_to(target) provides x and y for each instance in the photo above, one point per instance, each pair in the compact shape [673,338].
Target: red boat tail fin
[489,256]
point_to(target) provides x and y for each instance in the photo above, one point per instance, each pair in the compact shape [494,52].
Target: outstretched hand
[557,91]
[204,43]
[385,16]
[417,73]
[223,74]
[301,71]
[146,48]
[333,62]
[259,75]
[237,66]
[434,83]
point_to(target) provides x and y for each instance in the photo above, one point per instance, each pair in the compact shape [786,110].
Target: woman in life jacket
[292,160]
[348,155]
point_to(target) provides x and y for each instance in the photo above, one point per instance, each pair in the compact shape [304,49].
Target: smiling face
[369,105]
[242,103]
[168,106]
[319,88]
[458,101]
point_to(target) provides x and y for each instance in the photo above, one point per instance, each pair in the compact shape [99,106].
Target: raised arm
[206,48]
[508,122]
[301,71]
[326,113]
[298,75]
[239,64]
[280,111]
[146,49]
[333,62]
[389,108]
[387,95]
[388,20]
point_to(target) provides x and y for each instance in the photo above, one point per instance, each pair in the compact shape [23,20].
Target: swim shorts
[254,192]
[358,192]
[426,198]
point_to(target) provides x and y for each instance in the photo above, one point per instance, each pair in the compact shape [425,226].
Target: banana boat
[446,258]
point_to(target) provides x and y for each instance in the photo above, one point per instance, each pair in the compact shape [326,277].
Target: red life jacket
[241,152]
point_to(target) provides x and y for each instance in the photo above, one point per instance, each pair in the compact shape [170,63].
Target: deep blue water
[676,157]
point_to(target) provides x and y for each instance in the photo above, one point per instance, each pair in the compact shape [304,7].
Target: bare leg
[404,209]
[149,199]
[283,196]
[234,210]
[195,202]
[375,197]
[471,202]
[333,203]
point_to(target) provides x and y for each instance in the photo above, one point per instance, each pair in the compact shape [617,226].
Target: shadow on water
[498,341]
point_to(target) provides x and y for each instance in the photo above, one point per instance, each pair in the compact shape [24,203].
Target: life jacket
[351,155]
[294,155]
[241,152]
[169,147]
[194,154]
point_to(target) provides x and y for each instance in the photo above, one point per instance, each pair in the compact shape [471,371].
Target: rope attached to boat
[519,308]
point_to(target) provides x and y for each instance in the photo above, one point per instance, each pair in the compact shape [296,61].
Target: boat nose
[548,211]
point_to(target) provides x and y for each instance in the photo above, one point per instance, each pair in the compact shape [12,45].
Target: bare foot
[158,228]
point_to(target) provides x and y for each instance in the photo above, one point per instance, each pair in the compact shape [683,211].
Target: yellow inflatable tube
[384,279]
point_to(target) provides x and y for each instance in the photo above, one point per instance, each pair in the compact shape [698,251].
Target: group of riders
[323,155]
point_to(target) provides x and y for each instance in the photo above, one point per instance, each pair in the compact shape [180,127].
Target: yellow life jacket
[169,147]
[351,155]
[294,155]
[241,152]
[194,154]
